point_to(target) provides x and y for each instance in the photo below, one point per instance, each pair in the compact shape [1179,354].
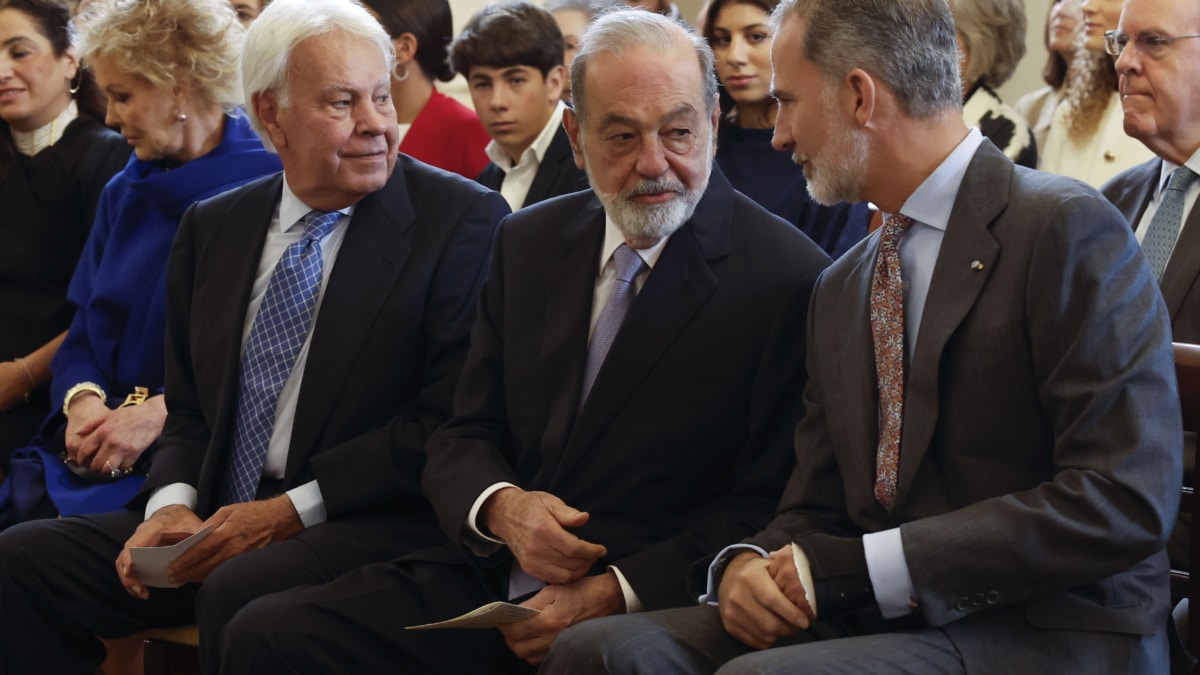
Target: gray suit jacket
[1130,191]
[1040,459]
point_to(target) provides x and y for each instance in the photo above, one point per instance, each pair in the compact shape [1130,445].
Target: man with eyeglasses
[1157,45]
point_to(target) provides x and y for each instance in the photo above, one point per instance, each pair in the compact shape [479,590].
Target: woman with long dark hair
[740,36]
[55,157]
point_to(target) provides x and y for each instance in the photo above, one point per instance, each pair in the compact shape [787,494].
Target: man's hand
[125,434]
[787,578]
[169,525]
[753,607]
[237,528]
[562,605]
[533,524]
[87,413]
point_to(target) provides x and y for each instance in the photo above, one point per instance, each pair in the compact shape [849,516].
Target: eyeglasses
[1148,44]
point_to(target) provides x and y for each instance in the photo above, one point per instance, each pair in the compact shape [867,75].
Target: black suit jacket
[684,441]
[1130,191]
[386,351]
[557,174]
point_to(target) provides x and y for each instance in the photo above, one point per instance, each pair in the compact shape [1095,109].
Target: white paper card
[490,615]
[150,563]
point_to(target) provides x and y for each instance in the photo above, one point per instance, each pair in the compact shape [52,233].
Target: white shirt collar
[30,143]
[534,152]
[292,210]
[933,200]
[613,240]
[1193,163]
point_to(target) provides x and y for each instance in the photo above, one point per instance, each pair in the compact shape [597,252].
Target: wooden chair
[172,651]
[1187,371]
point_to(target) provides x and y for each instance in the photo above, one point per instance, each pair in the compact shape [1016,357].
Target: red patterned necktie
[887,334]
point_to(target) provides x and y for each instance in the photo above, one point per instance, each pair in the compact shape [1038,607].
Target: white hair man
[633,382]
[317,322]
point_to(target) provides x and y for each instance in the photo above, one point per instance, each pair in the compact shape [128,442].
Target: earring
[181,117]
[400,78]
[76,82]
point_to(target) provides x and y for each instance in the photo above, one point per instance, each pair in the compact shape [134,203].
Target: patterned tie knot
[893,229]
[629,263]
[317,224]
[1181,179]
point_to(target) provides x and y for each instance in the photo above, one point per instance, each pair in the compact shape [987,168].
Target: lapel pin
[976,265]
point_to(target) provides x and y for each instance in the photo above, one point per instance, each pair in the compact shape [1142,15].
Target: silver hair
[909,45]
[285,24]
[993,32]
[621,29]
[589,8]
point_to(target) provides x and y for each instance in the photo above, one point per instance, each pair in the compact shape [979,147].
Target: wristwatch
[81,388]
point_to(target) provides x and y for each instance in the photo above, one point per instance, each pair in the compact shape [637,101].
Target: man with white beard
[627,406]
[989,460]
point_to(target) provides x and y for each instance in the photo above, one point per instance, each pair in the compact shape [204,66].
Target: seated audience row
[988,435]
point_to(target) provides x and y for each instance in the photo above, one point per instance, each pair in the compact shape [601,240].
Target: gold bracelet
[28,375]
[81,388]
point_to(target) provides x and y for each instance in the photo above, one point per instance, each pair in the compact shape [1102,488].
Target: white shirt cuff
[633,605]
[485,545]
[804,571]
[309,503]
[889,573]
[170,495]
[710,590]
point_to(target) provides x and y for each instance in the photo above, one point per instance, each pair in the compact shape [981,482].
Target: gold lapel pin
[976,265]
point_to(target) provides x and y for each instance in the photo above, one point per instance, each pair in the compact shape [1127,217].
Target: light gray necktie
[629,264]
[1163,231]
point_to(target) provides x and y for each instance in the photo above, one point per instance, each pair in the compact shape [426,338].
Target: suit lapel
[567,315]
[550,167]
[368,264]
[238,243]
[677,287]
[956,284]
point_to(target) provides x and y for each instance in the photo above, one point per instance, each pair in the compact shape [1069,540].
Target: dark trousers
[59,588]
[356,624]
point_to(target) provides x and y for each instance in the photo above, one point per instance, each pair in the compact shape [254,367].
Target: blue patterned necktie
[629,264]
[278,333]
[1163,231]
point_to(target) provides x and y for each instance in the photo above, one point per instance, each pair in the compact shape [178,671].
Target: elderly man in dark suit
[633,383]
[1160,86]
[317,324]
[990,455]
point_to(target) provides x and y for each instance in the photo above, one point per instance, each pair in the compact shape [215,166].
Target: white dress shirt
[604,283]
[929,206]
[286,228]
[518,176]
[1189,196]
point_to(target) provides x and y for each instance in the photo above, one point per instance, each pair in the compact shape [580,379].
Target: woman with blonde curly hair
[170,69]
[1087,137]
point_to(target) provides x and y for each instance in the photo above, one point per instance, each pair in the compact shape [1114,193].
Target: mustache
[658,185]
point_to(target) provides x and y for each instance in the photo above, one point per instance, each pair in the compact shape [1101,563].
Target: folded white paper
[490,615]
[150,563]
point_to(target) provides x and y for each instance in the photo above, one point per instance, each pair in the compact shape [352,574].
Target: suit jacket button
[978,600]
[993,597]
[963,604]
